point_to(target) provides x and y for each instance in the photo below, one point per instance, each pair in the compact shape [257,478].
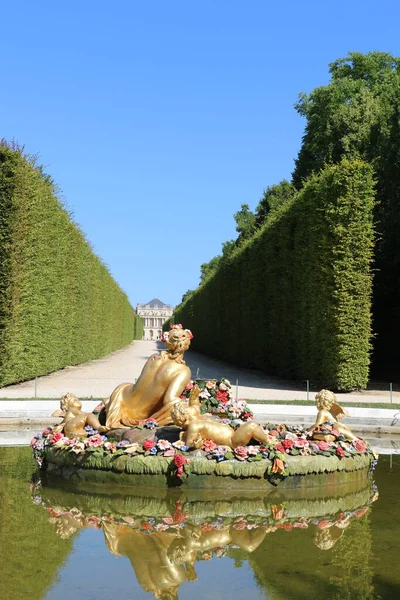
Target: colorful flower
[148,444]
[241,453]
[164,444]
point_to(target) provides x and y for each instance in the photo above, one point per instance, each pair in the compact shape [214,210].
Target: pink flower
[301,443]
[169,452]
[323,445]
[189,385]
[94,441]
[46,431]
[209,445]
[210,385]
[241,453]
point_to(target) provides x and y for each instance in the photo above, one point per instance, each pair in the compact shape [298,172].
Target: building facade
[154,315]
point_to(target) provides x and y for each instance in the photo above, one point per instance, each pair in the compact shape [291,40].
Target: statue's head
[69,402]
[325,399]
[182,413]
[177,339]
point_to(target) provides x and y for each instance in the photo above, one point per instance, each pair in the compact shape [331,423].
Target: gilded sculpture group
[156,395]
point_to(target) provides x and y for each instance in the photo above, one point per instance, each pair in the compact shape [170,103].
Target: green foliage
[207,269]
[31,552]
[274,197]
[245,222]
[295,299]
[59,304]
[358,115]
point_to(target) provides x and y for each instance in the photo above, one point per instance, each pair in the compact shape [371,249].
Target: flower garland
[216,398]
[285,441]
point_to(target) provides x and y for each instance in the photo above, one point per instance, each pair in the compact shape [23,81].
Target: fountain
[166,430]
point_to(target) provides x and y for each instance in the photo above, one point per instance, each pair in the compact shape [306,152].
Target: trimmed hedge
[295,300]
[59,305]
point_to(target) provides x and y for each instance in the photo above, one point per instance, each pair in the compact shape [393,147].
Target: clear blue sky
[159,119]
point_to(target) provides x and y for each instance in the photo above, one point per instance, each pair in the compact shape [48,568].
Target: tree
[206,269]
[358,115]
[274,196]
[245,222]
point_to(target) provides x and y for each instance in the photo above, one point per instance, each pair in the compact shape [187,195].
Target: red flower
[222,396]
[287,526]
[56,437]
[179,460]
[287,444]
[340,451]
[360,446]
[323,445]
[146,526]
[148,444]
[273,432]
[280,448]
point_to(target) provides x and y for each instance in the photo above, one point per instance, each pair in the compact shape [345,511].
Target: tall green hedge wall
[59,304]
[295,300]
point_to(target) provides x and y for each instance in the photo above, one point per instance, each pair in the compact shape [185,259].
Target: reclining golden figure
[159,386]
[198,428]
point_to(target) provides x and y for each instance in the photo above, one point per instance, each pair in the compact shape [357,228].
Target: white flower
[252,450]
[164,444]
[131,448]
[205,394]
[61,442]
[78,448]
[222,387]
[179,444]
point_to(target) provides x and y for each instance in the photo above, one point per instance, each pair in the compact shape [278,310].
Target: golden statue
[329,411]
[159,386]
[163,560]
[74,419]
[198,428]
[148,554]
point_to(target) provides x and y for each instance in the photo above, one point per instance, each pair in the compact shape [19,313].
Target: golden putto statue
[197,427]
[159,386]
[74,419]
[329,412]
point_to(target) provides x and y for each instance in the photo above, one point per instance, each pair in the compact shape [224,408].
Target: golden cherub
[159,386]
[329,411]
[74,419]
[198,428]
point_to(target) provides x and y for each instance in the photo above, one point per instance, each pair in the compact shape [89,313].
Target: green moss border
[204,473]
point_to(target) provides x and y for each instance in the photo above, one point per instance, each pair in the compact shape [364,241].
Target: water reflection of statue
[329,411]
[74,419]
[194,539]
[159,386]
[149,558]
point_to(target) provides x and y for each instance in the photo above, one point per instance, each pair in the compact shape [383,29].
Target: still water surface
[57,544]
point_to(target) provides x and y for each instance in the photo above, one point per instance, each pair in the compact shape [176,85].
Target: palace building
[154,315]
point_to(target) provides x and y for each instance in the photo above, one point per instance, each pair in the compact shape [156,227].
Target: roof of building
[156,303]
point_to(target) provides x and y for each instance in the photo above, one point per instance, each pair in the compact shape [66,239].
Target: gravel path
[98,378]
